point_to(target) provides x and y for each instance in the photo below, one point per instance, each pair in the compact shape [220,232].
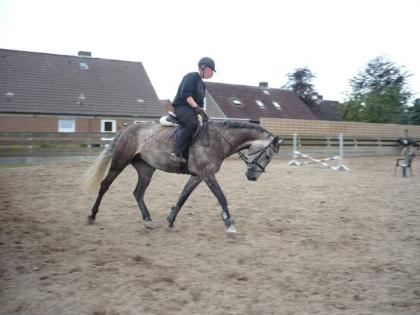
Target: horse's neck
[241,138]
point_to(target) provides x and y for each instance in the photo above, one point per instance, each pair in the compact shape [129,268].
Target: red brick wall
[50,124]
[28,124]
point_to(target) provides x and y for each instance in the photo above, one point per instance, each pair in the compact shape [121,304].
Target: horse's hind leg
[112,174]
[145,173]
[188,189]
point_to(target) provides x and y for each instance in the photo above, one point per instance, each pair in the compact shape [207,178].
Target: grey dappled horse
[147,147]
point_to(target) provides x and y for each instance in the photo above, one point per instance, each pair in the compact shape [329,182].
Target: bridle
[255,164]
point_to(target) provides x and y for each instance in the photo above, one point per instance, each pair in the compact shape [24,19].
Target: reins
[243,156]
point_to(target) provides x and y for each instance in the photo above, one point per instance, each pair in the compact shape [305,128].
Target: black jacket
[191,85]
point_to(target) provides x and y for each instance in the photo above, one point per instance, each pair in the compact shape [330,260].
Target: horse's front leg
[188,189]
[217,191]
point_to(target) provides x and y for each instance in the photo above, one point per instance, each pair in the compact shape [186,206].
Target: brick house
[42,92]
[254,102]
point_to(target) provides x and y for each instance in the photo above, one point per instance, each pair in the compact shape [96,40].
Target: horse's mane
[243,125]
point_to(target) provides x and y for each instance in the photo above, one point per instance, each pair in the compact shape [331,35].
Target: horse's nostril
[251,177]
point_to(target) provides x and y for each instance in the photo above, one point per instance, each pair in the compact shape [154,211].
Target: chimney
[263,85]
[84,54]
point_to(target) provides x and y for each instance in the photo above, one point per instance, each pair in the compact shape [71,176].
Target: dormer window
[259,104]
[235,101]
[9,96]
[276,105]
[81,99]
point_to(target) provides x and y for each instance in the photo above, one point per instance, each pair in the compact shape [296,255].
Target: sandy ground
[309,241]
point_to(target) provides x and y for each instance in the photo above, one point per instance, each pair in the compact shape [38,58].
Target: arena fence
[323,128]
[43,147]
[320,138]
[316,138]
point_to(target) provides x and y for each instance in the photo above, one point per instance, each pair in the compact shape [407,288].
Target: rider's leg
[189,121]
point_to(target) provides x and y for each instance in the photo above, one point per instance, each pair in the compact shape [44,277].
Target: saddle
[171,120]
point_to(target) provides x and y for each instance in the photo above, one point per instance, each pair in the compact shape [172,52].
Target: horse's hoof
[90,221]
[231,229]
[148,224]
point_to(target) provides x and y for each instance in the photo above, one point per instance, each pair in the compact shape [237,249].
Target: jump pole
[294,162]
[339,167]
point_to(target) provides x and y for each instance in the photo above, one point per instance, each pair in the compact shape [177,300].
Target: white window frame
[84,66]
[62,128]
[235,101]
[276,105]
[259,103]
[114,125]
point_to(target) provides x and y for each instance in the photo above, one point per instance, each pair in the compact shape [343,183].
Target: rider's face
[207,72]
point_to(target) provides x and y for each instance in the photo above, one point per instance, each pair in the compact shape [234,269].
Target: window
[260,104]
[235,101]
[266,92]
[9,96]
[276,105]
[108,126]
[84,66]
[66,125]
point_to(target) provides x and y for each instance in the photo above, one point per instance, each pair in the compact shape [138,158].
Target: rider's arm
[190,100]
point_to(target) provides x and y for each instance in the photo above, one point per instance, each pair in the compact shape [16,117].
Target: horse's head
[259,156]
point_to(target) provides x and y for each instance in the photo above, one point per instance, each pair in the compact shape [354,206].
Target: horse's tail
[100,166]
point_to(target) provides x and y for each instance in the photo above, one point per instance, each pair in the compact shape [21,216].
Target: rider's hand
[200,111]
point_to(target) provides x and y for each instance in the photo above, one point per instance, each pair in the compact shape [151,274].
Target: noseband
[255,164]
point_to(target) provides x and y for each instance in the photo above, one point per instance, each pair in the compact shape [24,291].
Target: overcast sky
[251,41]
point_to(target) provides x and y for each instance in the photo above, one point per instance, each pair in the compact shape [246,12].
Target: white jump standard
[323,161]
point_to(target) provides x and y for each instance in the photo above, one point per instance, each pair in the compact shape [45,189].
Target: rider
[188,103]
[406,142]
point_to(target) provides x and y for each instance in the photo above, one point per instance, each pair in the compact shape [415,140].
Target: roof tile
[52,84]
[291,106]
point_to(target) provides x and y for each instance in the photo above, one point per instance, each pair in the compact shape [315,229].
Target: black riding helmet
[206,61]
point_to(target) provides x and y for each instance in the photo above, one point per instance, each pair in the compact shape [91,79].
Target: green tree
[379,94]
[300,82]
[414,112]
